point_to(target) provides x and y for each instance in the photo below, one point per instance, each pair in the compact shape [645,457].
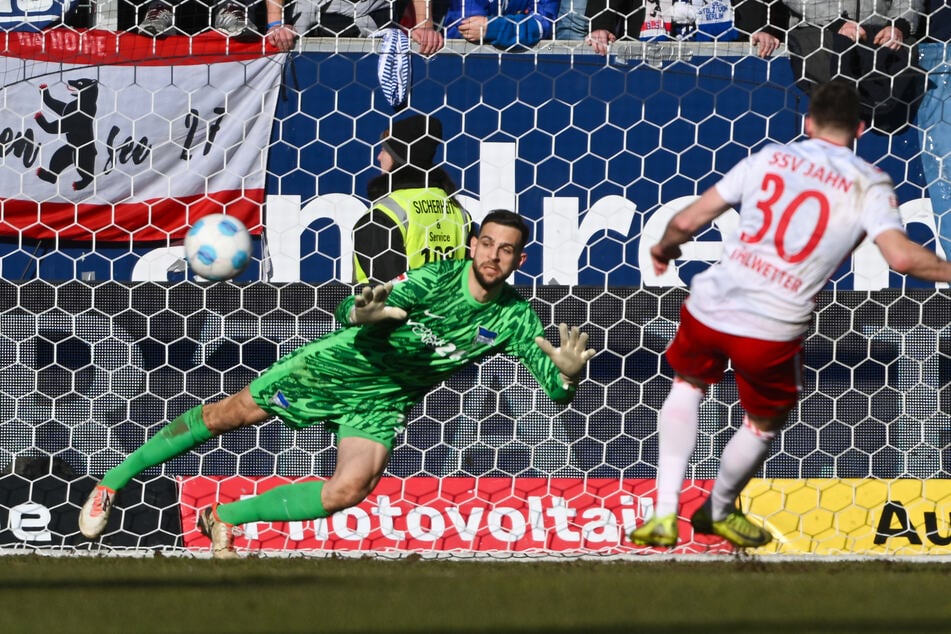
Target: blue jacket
[513,24]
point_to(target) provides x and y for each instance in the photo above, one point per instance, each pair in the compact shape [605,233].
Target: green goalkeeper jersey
[389,366]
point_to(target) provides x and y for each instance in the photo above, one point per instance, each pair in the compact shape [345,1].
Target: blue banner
[591,149]
[32,15]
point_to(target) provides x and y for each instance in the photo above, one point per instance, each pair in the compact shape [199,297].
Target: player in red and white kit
[803,208]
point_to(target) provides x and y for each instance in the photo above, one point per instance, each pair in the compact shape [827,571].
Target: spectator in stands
[337,18]
[934,114]
[230,18]
[762,23]
[508,25]
[936,21]
[572,23]
[867,42]
[414,218]
[343,18]
[612,20]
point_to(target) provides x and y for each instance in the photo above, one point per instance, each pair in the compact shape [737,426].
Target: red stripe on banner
[95,47]
[157,220]
[490,515]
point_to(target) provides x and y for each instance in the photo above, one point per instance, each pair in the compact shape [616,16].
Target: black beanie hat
[414,140]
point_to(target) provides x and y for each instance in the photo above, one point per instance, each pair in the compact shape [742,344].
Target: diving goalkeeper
[399,340]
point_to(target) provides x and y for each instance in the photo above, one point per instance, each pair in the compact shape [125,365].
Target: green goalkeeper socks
[180,435]
[290,502]
[287,503]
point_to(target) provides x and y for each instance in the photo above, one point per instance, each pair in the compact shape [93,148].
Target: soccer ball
[218,247]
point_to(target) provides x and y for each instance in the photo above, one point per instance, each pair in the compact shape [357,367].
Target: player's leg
[677,426]
[694,356]
[189,430]
[768,379]
[677,437]
[742,457]
[290,389]
[364,441]
[360,463]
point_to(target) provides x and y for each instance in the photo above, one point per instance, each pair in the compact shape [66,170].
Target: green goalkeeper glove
[369,306]
[571,357]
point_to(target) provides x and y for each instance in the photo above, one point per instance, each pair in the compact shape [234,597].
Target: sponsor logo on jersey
[441,346]
[432,315]
[280,400]
[399,424]
[485,336]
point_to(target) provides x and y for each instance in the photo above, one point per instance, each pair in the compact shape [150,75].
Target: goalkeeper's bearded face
[495,254]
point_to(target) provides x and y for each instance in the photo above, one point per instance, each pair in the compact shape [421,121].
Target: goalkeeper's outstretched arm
[571,357]
[369,306]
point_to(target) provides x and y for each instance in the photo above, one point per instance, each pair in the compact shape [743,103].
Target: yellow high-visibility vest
[432,225]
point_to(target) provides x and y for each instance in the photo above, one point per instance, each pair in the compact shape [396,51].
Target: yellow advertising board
[853,516]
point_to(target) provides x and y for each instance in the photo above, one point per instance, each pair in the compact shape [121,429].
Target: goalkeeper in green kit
[399,340]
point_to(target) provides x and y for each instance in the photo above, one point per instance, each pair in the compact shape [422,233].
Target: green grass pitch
[186,594]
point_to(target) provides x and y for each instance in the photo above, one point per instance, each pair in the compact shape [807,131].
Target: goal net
[105,335]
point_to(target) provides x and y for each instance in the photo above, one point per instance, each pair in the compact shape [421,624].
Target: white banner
[118,136]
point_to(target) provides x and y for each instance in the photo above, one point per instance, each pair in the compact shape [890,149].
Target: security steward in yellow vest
[414,219]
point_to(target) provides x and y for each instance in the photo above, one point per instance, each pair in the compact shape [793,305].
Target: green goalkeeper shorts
[293,392]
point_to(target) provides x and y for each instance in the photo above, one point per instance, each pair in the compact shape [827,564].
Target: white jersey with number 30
[803,208]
